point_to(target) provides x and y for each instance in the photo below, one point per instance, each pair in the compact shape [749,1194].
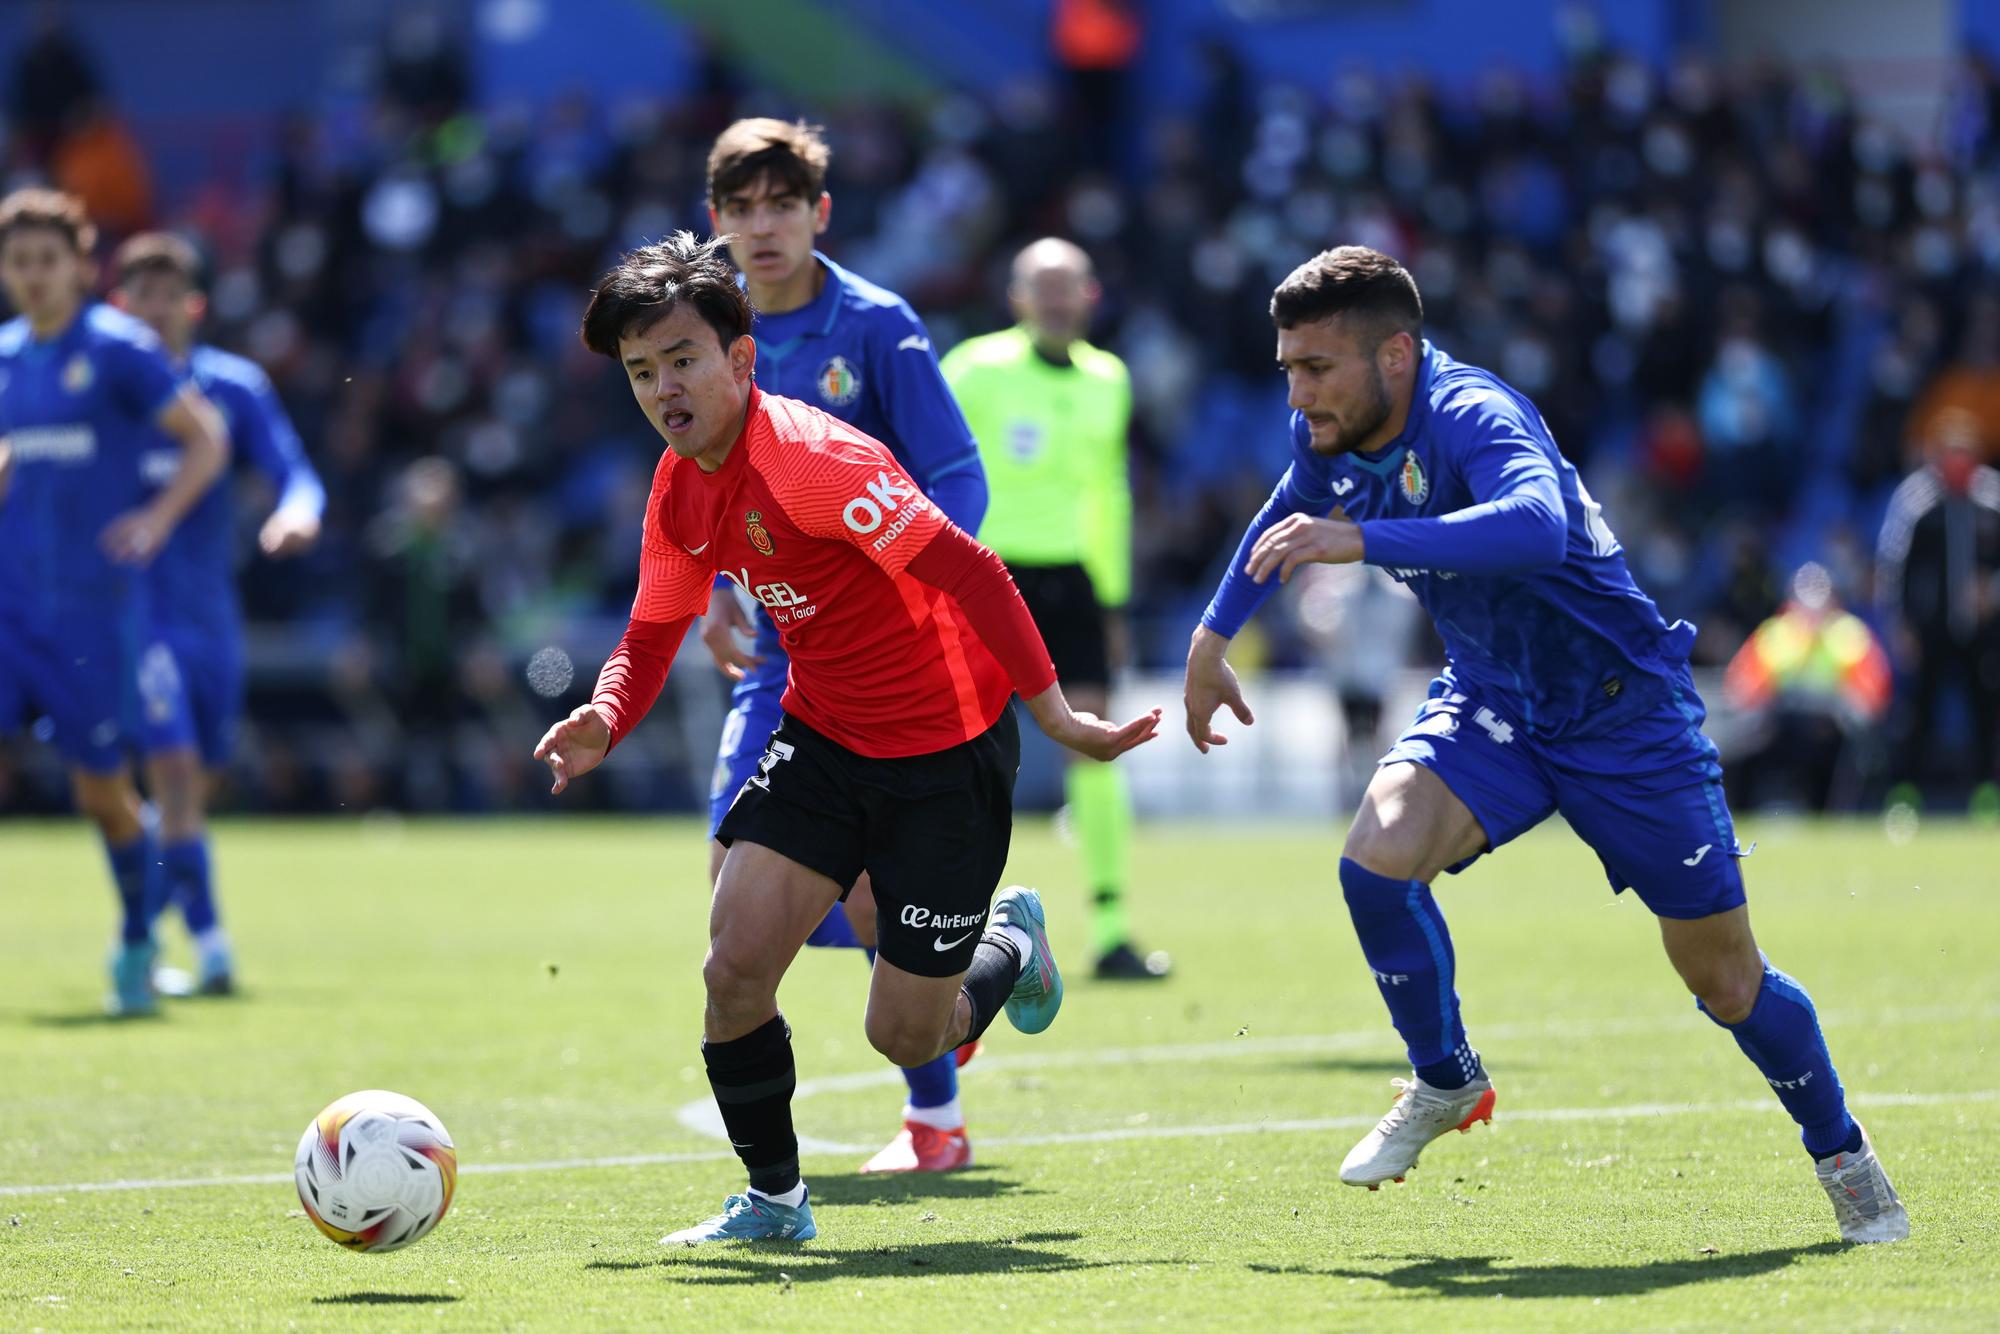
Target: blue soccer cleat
[750,1218]
[1038,990]
[132,980]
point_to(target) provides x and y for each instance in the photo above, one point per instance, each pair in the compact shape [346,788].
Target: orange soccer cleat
[922,1148]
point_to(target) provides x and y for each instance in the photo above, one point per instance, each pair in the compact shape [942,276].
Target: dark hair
[1351,279]
[158,252]
[791,154]
[649,282]
[50,209]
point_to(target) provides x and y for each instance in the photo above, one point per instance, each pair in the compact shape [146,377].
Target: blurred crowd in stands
[1747,311]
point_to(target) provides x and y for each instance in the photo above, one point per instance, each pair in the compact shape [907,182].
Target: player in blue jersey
[194,578]
[1563,691]
[835,340]
[84,392]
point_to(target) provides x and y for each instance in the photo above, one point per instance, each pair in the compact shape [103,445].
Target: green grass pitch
[1164,1156]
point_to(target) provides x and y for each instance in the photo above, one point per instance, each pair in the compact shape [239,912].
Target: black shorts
[1066,611]
[931,831]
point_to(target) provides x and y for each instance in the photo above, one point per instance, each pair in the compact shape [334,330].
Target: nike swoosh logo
[941,945]
[696,551]
[1699,853]
[915,343]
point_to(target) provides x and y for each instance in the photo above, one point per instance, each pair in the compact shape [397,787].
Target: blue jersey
[1477,512]
[860,353]
[194,577]
[78,411]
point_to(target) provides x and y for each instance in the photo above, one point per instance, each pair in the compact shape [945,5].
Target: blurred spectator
[1968,389]
[1812,682]
[53,82]
[1938,578]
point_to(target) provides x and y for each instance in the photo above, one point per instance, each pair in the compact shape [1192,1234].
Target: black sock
[996,964]
[753,1078]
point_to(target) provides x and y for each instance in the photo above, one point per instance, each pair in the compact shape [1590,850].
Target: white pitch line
[1624,1113]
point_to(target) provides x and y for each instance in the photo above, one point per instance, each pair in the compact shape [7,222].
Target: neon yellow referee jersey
[1052,439]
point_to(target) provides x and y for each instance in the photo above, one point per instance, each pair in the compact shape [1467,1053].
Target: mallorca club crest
[1416,486]
[760,536]
[77,375]
[838,382]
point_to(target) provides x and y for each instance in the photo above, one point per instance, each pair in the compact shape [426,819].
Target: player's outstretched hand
[1303,540]
[287,533]
[1211,683]
[1086,733]
[720,631]
[574,746]
[134,537]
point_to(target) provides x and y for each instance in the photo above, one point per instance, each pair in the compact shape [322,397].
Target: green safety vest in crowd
[1052,439]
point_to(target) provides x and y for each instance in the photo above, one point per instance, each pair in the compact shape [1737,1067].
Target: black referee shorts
[932,831]
[1066,611]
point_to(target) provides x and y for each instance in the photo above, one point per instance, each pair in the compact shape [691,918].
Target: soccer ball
[376,1170]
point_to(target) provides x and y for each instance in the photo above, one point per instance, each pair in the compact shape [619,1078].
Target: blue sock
[188,882]
[1782,1039]
[935,1082]
[135,870]
[1404,939]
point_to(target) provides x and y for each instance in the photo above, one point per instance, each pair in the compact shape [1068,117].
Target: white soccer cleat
[1420,1115]
[1864,1203]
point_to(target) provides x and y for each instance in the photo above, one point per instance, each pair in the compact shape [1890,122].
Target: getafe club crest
[760,537]
[838,382]
[77,375]
[1416,486]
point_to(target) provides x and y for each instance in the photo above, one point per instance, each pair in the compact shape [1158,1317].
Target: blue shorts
[211,663]
[1646,797]
[754,714]
[107,687]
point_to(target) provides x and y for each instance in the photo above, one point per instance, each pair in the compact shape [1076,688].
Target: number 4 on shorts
[1501,731]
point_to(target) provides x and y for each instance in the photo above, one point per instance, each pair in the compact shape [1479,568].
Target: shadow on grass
[1347,1065]
[784,1264]
[387,1299]
[93,1019]
[913,1187]
[1490,1276]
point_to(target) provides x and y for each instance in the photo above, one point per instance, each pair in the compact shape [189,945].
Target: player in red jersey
[898,748]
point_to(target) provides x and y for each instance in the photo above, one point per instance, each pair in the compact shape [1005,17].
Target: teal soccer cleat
[1038,991]
[132,980]
[750,1218]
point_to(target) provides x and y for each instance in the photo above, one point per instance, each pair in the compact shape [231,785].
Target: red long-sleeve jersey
[896,622]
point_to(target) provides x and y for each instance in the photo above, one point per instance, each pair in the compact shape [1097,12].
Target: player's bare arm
[1211,683]
[1303,540]
[722,632]
[135,537]
[574,746]
[1086,733]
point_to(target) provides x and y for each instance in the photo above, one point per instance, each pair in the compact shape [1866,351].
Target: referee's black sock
[753,1078]
[996,965]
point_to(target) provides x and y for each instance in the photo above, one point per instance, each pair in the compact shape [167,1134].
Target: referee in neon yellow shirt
[1050,413]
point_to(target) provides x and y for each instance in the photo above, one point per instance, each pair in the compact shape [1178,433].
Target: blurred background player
[1938,580]
[1564,690]
[85,392]
[835,340]
[193,578]
[1051,414]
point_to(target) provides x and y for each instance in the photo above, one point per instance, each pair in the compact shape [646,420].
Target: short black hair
[647,283]
[791,155]
[1351,280]
[158,252]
